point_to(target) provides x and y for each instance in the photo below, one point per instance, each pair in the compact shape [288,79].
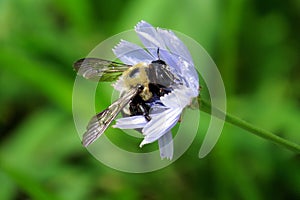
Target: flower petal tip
[140,23]
[164,157]
[143,143]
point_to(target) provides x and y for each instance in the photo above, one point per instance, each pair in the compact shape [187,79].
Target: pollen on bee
[136,75]
[146,94]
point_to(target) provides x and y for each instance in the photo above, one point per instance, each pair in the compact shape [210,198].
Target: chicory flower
[166,110]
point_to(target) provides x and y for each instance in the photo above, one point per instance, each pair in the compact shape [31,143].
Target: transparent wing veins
[99,69]
[100,122]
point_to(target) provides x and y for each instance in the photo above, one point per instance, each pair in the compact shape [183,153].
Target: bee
[143,85]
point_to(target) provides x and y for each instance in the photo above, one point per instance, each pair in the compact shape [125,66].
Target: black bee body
[143,85]
[138,106]
[156,83]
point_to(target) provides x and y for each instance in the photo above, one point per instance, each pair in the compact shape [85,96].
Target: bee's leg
[133,109]
[138,107]
[144,111]
[147,117]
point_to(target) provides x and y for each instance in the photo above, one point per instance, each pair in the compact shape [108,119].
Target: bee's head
[159,61]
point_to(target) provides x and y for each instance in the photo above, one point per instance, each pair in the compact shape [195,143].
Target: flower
[166,110]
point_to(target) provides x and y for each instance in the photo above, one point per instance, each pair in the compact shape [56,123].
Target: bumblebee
[143,84]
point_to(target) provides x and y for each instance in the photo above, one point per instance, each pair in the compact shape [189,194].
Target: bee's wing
[100,122]
[99,69]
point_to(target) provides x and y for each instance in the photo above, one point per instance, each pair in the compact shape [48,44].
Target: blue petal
[178,98]
[119,85]
[174,44]
[165,144]
[160,124]
[190,75]
[149,37]
[131,122]
[172,51]
[131,54]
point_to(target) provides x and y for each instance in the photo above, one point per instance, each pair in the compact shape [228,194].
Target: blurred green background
[255,44]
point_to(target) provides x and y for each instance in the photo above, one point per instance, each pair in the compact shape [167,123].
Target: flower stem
[206,107]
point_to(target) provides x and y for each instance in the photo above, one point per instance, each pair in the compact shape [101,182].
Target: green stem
[206,107]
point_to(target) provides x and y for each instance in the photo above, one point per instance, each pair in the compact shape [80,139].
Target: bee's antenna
[159,61]
[158,53]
